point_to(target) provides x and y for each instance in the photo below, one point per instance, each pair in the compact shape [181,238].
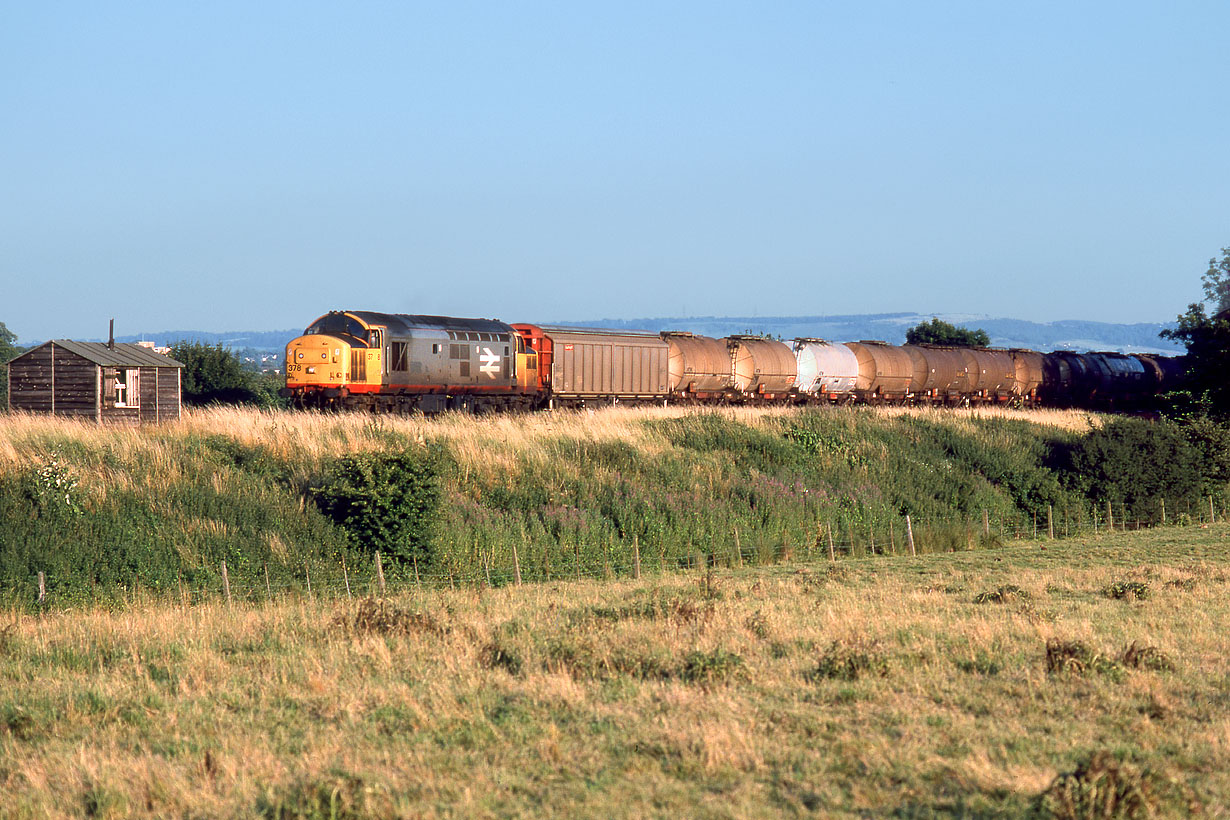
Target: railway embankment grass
[289,500]
[1080,678]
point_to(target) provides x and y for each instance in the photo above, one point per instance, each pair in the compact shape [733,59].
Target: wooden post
[909,535]
[487,567]
[42,588]
[871,538]
[636,558]
[268,586]
[1163,512]
[1212,515]
[738,547]
[516,566]
[1035,525]
[226,584]
[832,553]
[986,523]
[380,573]
[307,573]
[1110,517]
[1050,523]
[892,537]
[346,577]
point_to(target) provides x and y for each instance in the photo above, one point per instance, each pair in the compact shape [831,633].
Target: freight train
[383,362]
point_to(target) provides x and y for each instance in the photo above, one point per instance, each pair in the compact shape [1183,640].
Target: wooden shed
[112,382]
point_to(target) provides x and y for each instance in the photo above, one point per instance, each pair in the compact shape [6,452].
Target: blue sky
[237,165]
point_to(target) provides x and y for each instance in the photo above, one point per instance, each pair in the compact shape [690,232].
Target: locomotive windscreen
[337,324]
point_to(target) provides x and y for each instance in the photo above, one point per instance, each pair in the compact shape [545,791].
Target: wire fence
[375,575]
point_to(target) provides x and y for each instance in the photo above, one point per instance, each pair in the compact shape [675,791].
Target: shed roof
[122,355]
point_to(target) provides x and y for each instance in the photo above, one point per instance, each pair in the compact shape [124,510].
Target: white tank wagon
[825,370]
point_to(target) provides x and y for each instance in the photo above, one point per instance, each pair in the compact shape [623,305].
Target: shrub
[1001,595]
[851,660]
[711,667]
[387,502]
[1134,590]
[1104,787]
[1075,656]
[1135,462]
[1146,657]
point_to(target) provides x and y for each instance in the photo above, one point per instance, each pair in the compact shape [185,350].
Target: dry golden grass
[487,444]
[696,695]
[1076,421]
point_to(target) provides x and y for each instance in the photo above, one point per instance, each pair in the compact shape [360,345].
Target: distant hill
[1068,334]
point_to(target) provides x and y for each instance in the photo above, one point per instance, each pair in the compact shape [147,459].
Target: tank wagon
[826,371]
[385,362]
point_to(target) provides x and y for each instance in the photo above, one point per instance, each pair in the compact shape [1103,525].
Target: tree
[213,375]
[1207,339]
[8,350]
[937,332]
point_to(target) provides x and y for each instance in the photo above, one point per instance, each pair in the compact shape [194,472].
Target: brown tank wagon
[884,372]
[992,374]
[700,366]
[1028,373]
[762,368]
[939,373]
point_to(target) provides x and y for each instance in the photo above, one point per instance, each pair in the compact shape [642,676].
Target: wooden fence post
[909,535]
[892,537]
[226,584]
[379,574]
[986,523]
[1050,523]
[42,588]
[1163,512]
[516,565]
[268,586]
[1212,515]
[307,574]
[346,577]
[1110,517]
[636,558]
[738,547]
[832,553]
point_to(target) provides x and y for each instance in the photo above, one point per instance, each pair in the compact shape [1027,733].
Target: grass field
[105,513]
[947,685]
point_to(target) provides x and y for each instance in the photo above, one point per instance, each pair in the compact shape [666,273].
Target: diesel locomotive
[384,362]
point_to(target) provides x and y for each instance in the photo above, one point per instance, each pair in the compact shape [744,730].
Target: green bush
[386,502]
[1135,462]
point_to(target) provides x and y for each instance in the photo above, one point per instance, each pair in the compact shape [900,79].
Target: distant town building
[107,382]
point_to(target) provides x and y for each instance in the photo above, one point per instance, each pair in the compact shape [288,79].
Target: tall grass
[554,495]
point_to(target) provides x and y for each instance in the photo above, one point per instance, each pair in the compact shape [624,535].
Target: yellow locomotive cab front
[317,361]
